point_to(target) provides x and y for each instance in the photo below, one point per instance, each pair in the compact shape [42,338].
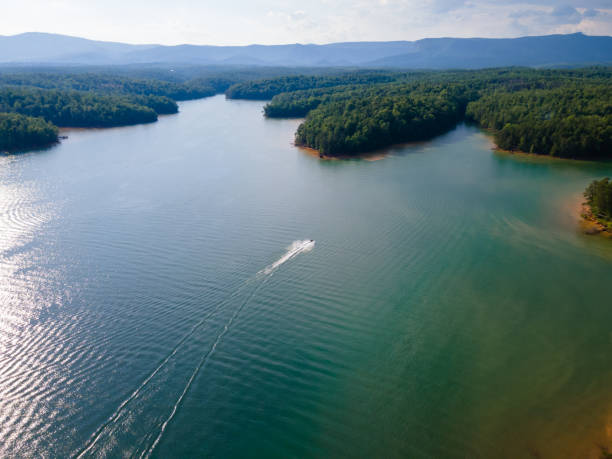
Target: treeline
[599,197]
[112,84]
[555,112]
[180,84]
[297,103]
[266,89]
[300,103]
[19,131]
[159,104]
[74,108]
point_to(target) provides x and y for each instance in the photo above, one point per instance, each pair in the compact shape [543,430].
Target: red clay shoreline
[591,225]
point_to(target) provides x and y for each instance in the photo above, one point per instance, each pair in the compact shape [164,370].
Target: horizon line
[297,43]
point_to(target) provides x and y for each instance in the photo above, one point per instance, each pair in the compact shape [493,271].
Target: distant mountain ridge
[432,53]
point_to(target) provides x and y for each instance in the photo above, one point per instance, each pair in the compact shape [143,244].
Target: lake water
[156,298]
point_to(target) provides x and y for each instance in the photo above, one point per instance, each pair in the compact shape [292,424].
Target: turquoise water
[154,300]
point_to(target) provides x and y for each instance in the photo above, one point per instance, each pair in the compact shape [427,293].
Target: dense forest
[599,197]
[555,112]
[75,108]
[361,124]
[268,88]
[565,113]
[111,84]
[19,131]
[300,103]
[572,121]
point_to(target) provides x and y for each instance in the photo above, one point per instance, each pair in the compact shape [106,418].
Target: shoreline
[372,156]
[537,156]
[385,152]
[591,225]
[23,150]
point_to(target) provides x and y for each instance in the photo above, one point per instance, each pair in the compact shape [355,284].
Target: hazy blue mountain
[52,48]
[550,50]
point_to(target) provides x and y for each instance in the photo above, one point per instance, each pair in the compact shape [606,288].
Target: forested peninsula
[564,113]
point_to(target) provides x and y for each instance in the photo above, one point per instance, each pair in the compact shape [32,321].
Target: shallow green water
[150,303]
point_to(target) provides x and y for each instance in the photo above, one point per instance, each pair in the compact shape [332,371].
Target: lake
[160,295]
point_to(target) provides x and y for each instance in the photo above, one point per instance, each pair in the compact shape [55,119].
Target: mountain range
[433,53]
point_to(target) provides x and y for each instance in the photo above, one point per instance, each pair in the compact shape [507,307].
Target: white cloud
[562,19]
[304,21]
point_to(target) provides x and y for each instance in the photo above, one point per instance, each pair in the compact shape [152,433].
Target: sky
[241,22]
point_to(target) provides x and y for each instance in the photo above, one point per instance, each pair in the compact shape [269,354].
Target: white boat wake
[293,250]
[113,421]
